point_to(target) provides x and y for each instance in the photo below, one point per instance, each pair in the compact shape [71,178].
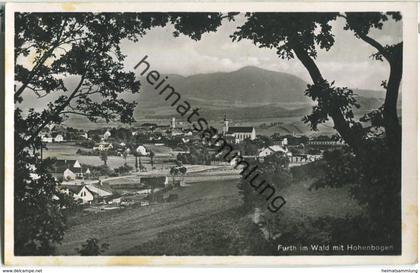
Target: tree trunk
[391,122]
[394,56]
[340,124]
[136,164]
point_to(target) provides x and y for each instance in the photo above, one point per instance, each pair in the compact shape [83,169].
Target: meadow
[205,220]
[68,151]
[126,228]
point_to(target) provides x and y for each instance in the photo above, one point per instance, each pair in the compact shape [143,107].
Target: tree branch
[74,113]
[340,123]
[40,62]
[57,111]
[60,108]
[381,49]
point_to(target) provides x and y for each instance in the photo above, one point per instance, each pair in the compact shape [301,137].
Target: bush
[92,248]
[86,143]
[125,169]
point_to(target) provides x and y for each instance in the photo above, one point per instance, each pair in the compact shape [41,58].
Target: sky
[348,62]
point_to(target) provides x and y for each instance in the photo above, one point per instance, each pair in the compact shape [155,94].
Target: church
[239,133]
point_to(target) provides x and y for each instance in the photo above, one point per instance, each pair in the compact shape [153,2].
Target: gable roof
[94,189]
[276,148]
[240,129]
[100,190]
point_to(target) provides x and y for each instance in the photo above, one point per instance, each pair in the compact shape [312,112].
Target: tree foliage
[74,59]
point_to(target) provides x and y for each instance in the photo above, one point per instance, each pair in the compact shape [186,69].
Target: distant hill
[249,93]
[248,85]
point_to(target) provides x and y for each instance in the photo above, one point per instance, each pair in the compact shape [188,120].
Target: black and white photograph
[224,132]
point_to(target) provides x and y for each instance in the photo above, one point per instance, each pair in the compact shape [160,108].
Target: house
[67,169]
[303,159]
[325,143]
[85,195]
[103,146]
[57,137]
[88,193]
[47,138]
[84,135]
[176,132]
[107,134]
[69,175]
[271,150]
[79,192]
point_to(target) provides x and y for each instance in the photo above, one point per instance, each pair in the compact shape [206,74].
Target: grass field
[127,228]
[230,233]
[201,211]
[68,151]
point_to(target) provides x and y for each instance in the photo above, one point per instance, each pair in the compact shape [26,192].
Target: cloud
[347,62]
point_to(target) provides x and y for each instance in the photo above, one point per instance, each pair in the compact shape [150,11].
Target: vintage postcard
[211,133]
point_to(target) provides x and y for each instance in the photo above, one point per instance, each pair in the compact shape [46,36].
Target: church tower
[225,125]
[173,123]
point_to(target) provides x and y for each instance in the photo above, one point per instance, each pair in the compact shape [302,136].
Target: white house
[59,138]
[46,138]
[107,134]
[85,195]
[69,175]
[103,146]
[84,135]
[88,193]
[271,150]
[141,150]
